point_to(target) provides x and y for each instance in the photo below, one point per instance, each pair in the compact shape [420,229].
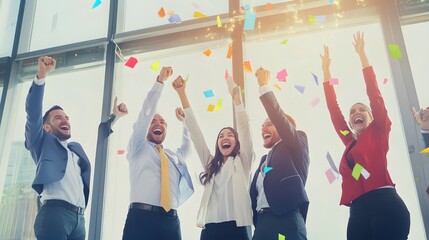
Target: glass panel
[416,38]
[411,7]
[301,57]
[52,25]
[203,73]
[144,14]
[8,18]
[80,94]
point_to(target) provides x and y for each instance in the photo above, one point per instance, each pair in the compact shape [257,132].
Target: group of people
[275,201]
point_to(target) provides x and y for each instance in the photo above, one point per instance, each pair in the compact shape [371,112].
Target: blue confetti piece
[330,1]
[175,19]
[316,80]
[96,4]
[208,93]
[267,169]
[246,7]
[249,21]
[300,88]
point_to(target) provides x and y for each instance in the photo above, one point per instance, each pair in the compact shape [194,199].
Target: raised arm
[284,127]
[247,154]
[33,104]
[337,117]
[422,118]
[141,126]
[118,111]
[378,107]
[191,123]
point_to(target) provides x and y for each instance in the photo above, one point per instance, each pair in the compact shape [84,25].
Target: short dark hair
[46,116]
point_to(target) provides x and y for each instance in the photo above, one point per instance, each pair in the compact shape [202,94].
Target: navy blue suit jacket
[46,150]
[289,159]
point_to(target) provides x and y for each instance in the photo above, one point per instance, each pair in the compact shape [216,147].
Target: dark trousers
[379,214]
[146,225]
[224,231]
[290,225]
[59,223]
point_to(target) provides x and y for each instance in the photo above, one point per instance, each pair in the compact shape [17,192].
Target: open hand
[326,60]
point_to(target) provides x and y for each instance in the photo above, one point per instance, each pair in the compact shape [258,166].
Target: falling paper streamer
[357,169]
[300,89]
[285,42]
[199,14]
[385,81]
[316,79]
[249,21]
[96,4]
[229,53]
[226,75]
[121,152]
[118,52]
[155,66]
[267,169]
[54,22]
[247,66]
[344,132]
[219,105]
[315,101]
[131,62]
[211,108]
[395,51]
[268,6]
[187,78]
[281,76]
[207,52]
[331,163]
[281,237]
[330,175]
[208,93]
[174,19]
[320,19]
[219,23]
[277,87]
[161,12]
[426,150]
[333,81]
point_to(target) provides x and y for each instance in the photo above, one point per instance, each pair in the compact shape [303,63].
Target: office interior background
[92,40]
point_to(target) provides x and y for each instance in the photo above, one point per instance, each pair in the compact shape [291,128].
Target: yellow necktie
[165,180]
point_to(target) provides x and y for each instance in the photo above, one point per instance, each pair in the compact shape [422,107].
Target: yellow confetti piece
[278,87]
[219,105]
[199,14]
[170,13]
[426,150]
[312,19]
[211,108]
[282,237]
[395,51]
[207,52]
[285,41]
[247,66]
[344,132]
[219,23]
[155,65]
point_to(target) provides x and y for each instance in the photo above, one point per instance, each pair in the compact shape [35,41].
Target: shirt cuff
[39,81]
[264,89]
[239,108]
[425,131]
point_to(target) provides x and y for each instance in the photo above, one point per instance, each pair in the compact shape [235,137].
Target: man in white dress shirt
[152,213]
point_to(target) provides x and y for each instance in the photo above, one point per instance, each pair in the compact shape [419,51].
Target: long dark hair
[213,166]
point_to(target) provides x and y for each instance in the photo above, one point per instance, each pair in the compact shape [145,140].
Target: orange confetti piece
[211,108]
[207,52]
[161,12]
[247,66]
[229,53]
[268,6]
[199,14]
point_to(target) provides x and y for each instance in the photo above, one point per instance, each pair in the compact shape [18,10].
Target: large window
[80,94]
[301,59]
[8,18]
[131,86]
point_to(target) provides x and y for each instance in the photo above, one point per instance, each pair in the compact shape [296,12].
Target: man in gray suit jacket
[63,170]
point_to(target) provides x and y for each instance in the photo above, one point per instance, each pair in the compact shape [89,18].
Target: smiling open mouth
[157,132]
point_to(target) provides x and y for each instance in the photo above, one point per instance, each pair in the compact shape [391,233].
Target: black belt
[151,208]
[264,211]
[64,204]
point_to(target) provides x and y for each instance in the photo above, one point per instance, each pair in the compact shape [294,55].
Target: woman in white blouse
[225,210]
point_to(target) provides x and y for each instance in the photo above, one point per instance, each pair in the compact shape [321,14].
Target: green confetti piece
[285,41]
[395,51]
[356,171]
[187,78]
[282,237]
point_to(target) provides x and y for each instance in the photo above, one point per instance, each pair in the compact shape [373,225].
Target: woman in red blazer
[376,210]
